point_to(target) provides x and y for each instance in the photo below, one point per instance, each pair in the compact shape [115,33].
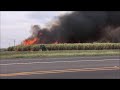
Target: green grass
[59,53]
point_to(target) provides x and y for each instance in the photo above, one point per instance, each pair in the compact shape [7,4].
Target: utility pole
[14,42]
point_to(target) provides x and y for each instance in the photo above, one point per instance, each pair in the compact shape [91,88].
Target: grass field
[59,53]
[72,46]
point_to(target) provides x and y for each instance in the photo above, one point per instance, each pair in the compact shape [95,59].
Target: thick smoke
[81,26]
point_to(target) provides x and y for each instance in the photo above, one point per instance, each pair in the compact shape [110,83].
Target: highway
[88,67]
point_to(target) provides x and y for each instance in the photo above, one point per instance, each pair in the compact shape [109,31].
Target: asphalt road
[96,67]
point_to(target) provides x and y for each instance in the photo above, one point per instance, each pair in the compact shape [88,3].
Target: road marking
[59,71]
[60,62]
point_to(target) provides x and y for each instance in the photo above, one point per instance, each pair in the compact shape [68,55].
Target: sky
[16,25]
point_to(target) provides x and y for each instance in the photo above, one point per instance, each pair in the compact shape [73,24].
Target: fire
[56,42]
[30,42]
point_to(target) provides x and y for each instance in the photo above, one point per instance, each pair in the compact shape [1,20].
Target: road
[90,67]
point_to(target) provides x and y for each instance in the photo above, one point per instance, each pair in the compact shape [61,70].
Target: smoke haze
[81,26]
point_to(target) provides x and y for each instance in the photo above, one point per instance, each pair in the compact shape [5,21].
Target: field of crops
[75,46]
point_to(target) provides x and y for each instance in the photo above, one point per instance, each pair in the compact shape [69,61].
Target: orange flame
[56,42]
[30,42]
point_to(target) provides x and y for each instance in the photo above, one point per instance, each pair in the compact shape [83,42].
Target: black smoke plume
[81,26]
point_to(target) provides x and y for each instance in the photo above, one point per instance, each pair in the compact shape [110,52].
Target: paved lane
[48,66]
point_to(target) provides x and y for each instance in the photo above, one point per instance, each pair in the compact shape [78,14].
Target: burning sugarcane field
[73,34]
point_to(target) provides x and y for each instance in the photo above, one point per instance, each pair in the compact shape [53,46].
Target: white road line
[61,62]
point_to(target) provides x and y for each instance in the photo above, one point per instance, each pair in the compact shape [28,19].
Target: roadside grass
[56,53]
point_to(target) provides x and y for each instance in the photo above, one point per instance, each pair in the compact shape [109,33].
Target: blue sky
[16,25]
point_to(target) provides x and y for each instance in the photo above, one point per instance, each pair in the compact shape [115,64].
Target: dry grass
[59,53]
